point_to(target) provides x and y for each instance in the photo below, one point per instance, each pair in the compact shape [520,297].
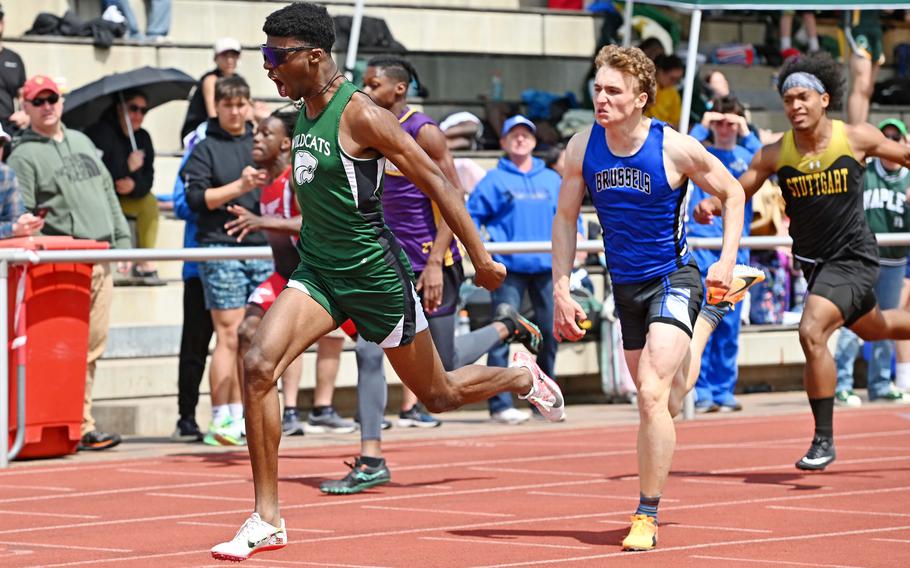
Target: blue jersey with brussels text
[641,215]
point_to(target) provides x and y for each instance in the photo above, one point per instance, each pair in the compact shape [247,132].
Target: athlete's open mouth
[278,83]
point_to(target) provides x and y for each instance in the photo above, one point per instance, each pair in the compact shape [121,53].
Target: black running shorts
[674,299]
[848,283]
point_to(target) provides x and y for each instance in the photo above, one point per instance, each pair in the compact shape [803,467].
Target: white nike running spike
[544,393]
[254,536]
[744,277]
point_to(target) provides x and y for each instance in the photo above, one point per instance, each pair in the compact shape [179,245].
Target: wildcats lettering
[313,143]
[632,178]
[828,182]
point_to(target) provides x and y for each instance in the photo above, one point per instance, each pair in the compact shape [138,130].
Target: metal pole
[4,365]
[627,24]
[691,62]
[353,41]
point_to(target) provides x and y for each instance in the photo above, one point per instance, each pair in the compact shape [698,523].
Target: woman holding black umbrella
[132,167]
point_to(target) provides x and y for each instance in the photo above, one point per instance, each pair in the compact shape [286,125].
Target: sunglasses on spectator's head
[894,135]
[52,98]
[277,56]
[136,108]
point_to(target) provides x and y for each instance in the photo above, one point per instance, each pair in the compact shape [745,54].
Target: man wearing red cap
[59,171]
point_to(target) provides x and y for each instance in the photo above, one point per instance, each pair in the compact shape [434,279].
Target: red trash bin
[53,317]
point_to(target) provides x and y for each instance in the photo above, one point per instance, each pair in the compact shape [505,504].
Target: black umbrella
[85,105]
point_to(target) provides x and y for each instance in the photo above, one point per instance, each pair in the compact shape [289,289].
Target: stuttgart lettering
[829,182]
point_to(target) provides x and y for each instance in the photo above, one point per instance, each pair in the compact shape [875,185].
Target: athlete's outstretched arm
[760,169]
[566,311]
[869,141]
[433,142]
[375,127]
[692,160]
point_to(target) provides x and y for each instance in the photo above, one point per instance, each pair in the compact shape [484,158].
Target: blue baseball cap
[516,120]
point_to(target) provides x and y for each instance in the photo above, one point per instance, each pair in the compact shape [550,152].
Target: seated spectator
[12,77]
[14,221]
[133,171]
[53,164]
[667,102]
[729,109]
[202,101]
[219,174]
[786,32]
[158,23]
[717,83]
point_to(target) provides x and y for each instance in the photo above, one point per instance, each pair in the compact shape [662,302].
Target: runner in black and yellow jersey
[351,265]
[819,164]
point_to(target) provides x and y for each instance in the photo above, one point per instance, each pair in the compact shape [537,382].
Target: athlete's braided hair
[823,66]
[399,69]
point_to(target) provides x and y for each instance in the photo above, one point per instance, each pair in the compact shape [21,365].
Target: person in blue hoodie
[732,146]
[516,202]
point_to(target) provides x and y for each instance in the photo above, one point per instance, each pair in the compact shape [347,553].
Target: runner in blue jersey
[636,170]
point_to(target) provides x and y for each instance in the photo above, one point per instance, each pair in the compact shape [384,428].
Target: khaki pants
[98,320]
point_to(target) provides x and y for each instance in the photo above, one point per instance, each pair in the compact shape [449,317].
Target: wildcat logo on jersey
[631,178]
[304,167]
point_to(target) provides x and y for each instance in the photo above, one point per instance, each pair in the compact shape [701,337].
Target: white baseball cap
[226,44]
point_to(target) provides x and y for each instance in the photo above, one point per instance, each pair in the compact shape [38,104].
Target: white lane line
[40,488]
[901,540]
[204,497]
[305,563]
[67,546]
[496,541]
[772,540]
[64,468]
[739,483]
[61,515]
[790,465]
[775,562]
[124,559]
[536,472]
[439,511]
[234,526]
[698,527]
[184,473]
[596,496]
[144,489]
[844,511]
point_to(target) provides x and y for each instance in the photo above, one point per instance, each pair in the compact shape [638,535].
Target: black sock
[320,410]
[372,462]
[823,411]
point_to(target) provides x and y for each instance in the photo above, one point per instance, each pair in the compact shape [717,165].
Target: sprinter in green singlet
[351,265]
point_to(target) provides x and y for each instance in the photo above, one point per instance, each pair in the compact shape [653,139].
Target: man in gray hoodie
[60,174]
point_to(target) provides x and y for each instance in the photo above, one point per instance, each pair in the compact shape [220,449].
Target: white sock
[902,379]
[813,44]
[236,410]
[220,412]
[785,43]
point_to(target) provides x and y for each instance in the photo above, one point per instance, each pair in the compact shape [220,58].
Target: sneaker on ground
[525,332]
[360,477]
[510,415]
[97,440]
[744,277]
[329,421]
[291,425]
[893,396]
[847,398]
[386,423]
[230,432]
[820,455]
[731,405]
[417,417]
[642,535]
[545,393]
[706,406]
[187,431]
[254,536]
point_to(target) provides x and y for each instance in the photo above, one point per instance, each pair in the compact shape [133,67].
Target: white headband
[804,80]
